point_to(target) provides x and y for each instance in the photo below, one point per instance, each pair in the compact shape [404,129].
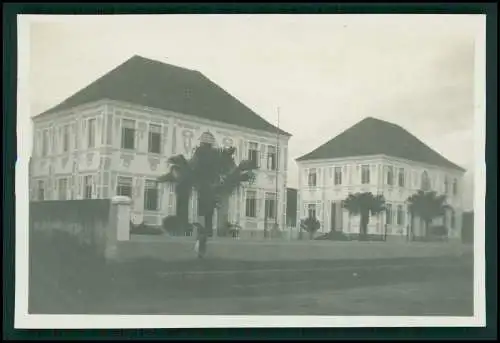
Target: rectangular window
[65,145]
[312,178]
[253,153]
[128,134]
[270,205]
[91,132]
[311,210]
[151,196]
[87,187]
[455,187]
[338,176]
[251,204]
[45,142]
[446,185]
[271,157]
[154,145]
[401,177]
[390,176]
[400,216]
[365,174]
[63,189]
[41,190]
[124,186]
[388,214]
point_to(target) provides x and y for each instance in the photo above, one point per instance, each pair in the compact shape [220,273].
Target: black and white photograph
[250,171]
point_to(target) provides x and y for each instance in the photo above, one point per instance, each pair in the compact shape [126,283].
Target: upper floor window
[91,132]
[154,141]
[365,174]
[311,210]
[401,177]
[425,184]
[271,158]
[337,176]
[253,153]
[455,187]
[446,185]
[251,204]
[45,143]
[390,175]
[128,134]
[65,140]
[312,178]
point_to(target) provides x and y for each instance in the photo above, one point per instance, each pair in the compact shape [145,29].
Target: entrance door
[333,217]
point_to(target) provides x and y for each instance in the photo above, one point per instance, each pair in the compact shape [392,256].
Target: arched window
[207,138]
[426,185]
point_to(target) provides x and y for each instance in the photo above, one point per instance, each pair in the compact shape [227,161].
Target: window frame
[312,174]
[148,188]
[335,174]
[157,131]
[91,132]
[128,129]
[118,185]
[365,178]
[251,204]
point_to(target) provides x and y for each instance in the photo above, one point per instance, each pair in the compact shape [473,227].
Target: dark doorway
[333,217]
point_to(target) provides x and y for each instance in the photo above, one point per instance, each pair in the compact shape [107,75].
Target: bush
[310,225]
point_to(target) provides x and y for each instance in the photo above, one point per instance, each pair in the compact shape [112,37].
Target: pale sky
[324,72]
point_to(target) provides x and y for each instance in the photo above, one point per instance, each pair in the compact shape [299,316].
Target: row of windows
[151,195]
[128,142]
[389,214]
[124,187]
[365,178]
[251,205]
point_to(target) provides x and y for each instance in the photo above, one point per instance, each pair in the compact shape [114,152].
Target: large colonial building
[115,136]
[382,158]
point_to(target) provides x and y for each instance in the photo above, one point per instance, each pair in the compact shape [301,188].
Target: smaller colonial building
[382,158]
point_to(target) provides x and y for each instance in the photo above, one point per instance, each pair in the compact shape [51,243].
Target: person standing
[201,240]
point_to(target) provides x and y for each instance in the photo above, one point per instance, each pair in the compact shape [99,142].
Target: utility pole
[277,166]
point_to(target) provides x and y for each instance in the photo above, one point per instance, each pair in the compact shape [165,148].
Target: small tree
[364,204]
[310,225]
[427,205]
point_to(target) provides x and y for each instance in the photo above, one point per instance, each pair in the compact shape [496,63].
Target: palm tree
[181,175]
[427,205]
[213,173]
[364,204]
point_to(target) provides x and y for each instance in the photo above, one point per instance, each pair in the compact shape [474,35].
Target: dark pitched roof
[373,136]
[159,85]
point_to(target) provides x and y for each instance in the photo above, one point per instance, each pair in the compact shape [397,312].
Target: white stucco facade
[95,163]
[325,196]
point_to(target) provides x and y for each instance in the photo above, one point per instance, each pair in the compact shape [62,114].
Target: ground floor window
[270,205]
[251,204]
[124,186]
[388,214]
[151,196]
[311,210]
[41,190]
[87,187]
[63,189]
